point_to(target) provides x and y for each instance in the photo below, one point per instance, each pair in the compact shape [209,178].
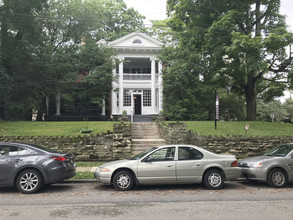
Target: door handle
[170,165]
[198,164]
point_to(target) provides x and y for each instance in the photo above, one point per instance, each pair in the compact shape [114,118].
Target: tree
[48,45]
[243,41]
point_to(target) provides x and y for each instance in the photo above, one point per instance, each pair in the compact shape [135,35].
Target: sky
[156,9]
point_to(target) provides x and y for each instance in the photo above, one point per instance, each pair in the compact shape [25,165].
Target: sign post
[216,109]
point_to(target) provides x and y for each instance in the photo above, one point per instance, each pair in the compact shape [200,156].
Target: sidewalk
[86,169]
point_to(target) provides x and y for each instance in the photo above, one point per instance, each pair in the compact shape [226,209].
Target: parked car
[172,164]
[274,167]
[29,167]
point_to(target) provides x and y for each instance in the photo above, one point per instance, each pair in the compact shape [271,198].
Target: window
[15,151]
[189,153]
[147,98]
[165,154]
[126,98]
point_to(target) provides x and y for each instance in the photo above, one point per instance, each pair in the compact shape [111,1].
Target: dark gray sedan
[29,167]
[274,167]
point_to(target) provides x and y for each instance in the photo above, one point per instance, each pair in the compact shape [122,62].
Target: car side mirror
[148,159]
[292,156]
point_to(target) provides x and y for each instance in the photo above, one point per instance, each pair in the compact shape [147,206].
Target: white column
[121,88]
[58,103]
[160,87]
[113,94]
[153,88]
[104,108]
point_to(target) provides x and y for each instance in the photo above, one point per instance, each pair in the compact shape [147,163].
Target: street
[90,200]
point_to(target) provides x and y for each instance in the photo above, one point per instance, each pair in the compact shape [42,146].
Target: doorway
[137,104]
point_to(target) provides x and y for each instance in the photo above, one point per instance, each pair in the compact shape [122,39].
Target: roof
[136,40]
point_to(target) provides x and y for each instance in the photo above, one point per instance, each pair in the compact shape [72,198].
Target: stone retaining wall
[99,147]
[176,133]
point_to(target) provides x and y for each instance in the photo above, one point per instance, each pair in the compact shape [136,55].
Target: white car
[171,164]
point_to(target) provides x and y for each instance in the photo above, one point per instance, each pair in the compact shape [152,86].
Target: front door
[137,104]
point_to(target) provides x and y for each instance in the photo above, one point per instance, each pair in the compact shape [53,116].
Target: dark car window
[15,151]
[281,151]
[164,154]
[189,153]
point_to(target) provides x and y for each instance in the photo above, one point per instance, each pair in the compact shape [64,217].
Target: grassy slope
[201,127]
[24,128]
[256,128]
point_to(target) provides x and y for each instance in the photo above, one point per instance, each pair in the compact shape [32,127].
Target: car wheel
[29,181]
[277,178]
[123,180]
[213,179]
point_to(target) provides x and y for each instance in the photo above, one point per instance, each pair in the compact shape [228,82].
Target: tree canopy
[47,45]
[242,44]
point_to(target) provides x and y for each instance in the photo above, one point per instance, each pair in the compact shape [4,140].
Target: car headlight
[104,169]
[255,165]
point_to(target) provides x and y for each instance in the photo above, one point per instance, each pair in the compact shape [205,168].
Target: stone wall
[99,147]
[176,133]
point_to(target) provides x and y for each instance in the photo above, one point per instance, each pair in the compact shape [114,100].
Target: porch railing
[138,77]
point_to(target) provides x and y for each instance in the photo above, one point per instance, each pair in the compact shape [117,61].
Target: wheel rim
[29,181]
[215,179]
[123,181]
[278,178]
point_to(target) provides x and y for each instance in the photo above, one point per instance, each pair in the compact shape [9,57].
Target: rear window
[44,148]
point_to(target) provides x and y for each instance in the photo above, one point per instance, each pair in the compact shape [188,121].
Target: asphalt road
[238,200]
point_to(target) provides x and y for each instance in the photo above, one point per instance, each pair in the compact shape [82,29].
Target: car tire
[123,180]
[213,179]
[29,181]
[277,178]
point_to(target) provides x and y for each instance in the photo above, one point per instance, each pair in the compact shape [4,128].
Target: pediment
[136,40]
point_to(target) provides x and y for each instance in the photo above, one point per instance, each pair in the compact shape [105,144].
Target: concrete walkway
[86,169]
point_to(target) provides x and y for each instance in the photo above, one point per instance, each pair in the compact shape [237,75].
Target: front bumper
[258,174]
[103,177]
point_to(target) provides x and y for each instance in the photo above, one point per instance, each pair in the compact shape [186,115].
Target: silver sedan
[172,164]
[274,167]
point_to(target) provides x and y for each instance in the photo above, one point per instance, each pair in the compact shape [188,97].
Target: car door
[189,166]
[7,164]
[158,167]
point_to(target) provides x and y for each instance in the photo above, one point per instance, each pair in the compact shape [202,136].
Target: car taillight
[234,164]
[59,158]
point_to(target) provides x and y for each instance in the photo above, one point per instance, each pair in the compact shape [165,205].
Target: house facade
[138,88]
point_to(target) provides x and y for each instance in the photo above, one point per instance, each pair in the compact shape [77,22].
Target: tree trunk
[250,95]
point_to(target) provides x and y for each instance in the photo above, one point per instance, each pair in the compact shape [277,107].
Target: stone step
[144,147]
[147,141]
[143,136]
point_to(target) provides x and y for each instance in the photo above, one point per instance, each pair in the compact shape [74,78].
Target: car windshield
[141,155]
[281,151]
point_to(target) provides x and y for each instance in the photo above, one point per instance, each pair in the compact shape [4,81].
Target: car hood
[256,159]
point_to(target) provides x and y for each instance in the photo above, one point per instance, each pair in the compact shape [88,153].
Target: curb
[80,181]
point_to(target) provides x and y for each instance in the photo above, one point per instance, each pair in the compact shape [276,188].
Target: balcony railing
[138,77]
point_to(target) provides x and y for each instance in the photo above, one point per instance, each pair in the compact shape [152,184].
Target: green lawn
[25,128]
[256,128]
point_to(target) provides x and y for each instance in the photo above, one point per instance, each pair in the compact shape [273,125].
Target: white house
[138,86]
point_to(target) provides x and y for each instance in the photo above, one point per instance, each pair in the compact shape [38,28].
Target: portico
[138,85]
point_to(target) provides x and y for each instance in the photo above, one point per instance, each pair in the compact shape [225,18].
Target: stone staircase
[145,136]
